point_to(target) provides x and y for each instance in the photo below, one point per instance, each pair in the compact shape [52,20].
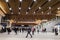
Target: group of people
[55,30]
[30,30]
[8,29]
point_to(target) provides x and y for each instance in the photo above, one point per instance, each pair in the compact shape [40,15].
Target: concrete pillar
[0,22]
[0,18]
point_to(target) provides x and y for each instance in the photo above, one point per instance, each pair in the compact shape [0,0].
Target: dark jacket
[29,30]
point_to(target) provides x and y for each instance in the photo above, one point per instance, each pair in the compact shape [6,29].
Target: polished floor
[21,36]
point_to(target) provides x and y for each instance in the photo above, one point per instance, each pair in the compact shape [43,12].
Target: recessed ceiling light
[29,8]
[10,8]
[44,20]
[39,7]
[34,12]
[49,0]
[20,0]
[34,0]
[26,12]
[7,0]
[11,12]
[49,7]
[19,8]
[58,12]
[58,8]
[42,12]
[48,13]
[19,13]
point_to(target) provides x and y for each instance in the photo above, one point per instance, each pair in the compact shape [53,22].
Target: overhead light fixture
[34,0]
[19,13]
[10,8]
[48,13]
[7,0]
[58,8]
[49,7]
[19,8]
[20,0]
[49,0]
[26,12]
[42,12]
[11,12]
[34,12]
[58,12]
[39,7]
[44,20]
[29,8]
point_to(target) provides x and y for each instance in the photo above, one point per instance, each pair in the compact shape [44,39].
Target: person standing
[56,31]
[8,29]
[33,30]
[37,30]
[28,32]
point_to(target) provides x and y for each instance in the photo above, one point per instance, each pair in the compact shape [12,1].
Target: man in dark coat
[15,29]
[56,31]
[29,32]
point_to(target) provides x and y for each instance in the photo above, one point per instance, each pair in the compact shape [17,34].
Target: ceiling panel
[4,6]
[41,2]
[24,6]
[44,4]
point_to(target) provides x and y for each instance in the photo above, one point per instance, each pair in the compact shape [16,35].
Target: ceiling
[29,9]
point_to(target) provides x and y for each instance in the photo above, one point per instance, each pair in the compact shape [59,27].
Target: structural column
[0,22]
[0,18]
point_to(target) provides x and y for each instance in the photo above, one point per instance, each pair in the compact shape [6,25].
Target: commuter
[8,29]
[3,29]
[15,29]
[56,31]
[28,32]
[33,30]
[20,29]
[37,30]
[53,30]
[45,30]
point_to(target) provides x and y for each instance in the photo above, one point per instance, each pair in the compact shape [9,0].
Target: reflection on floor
[21,36]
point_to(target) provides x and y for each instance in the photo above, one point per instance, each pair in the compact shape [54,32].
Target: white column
[58,28]
[0,22]
[0,18]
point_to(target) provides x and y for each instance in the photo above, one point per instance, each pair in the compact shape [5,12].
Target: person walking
[37,30]
[28,32]
[15,29]
[33,30]
[56,31]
